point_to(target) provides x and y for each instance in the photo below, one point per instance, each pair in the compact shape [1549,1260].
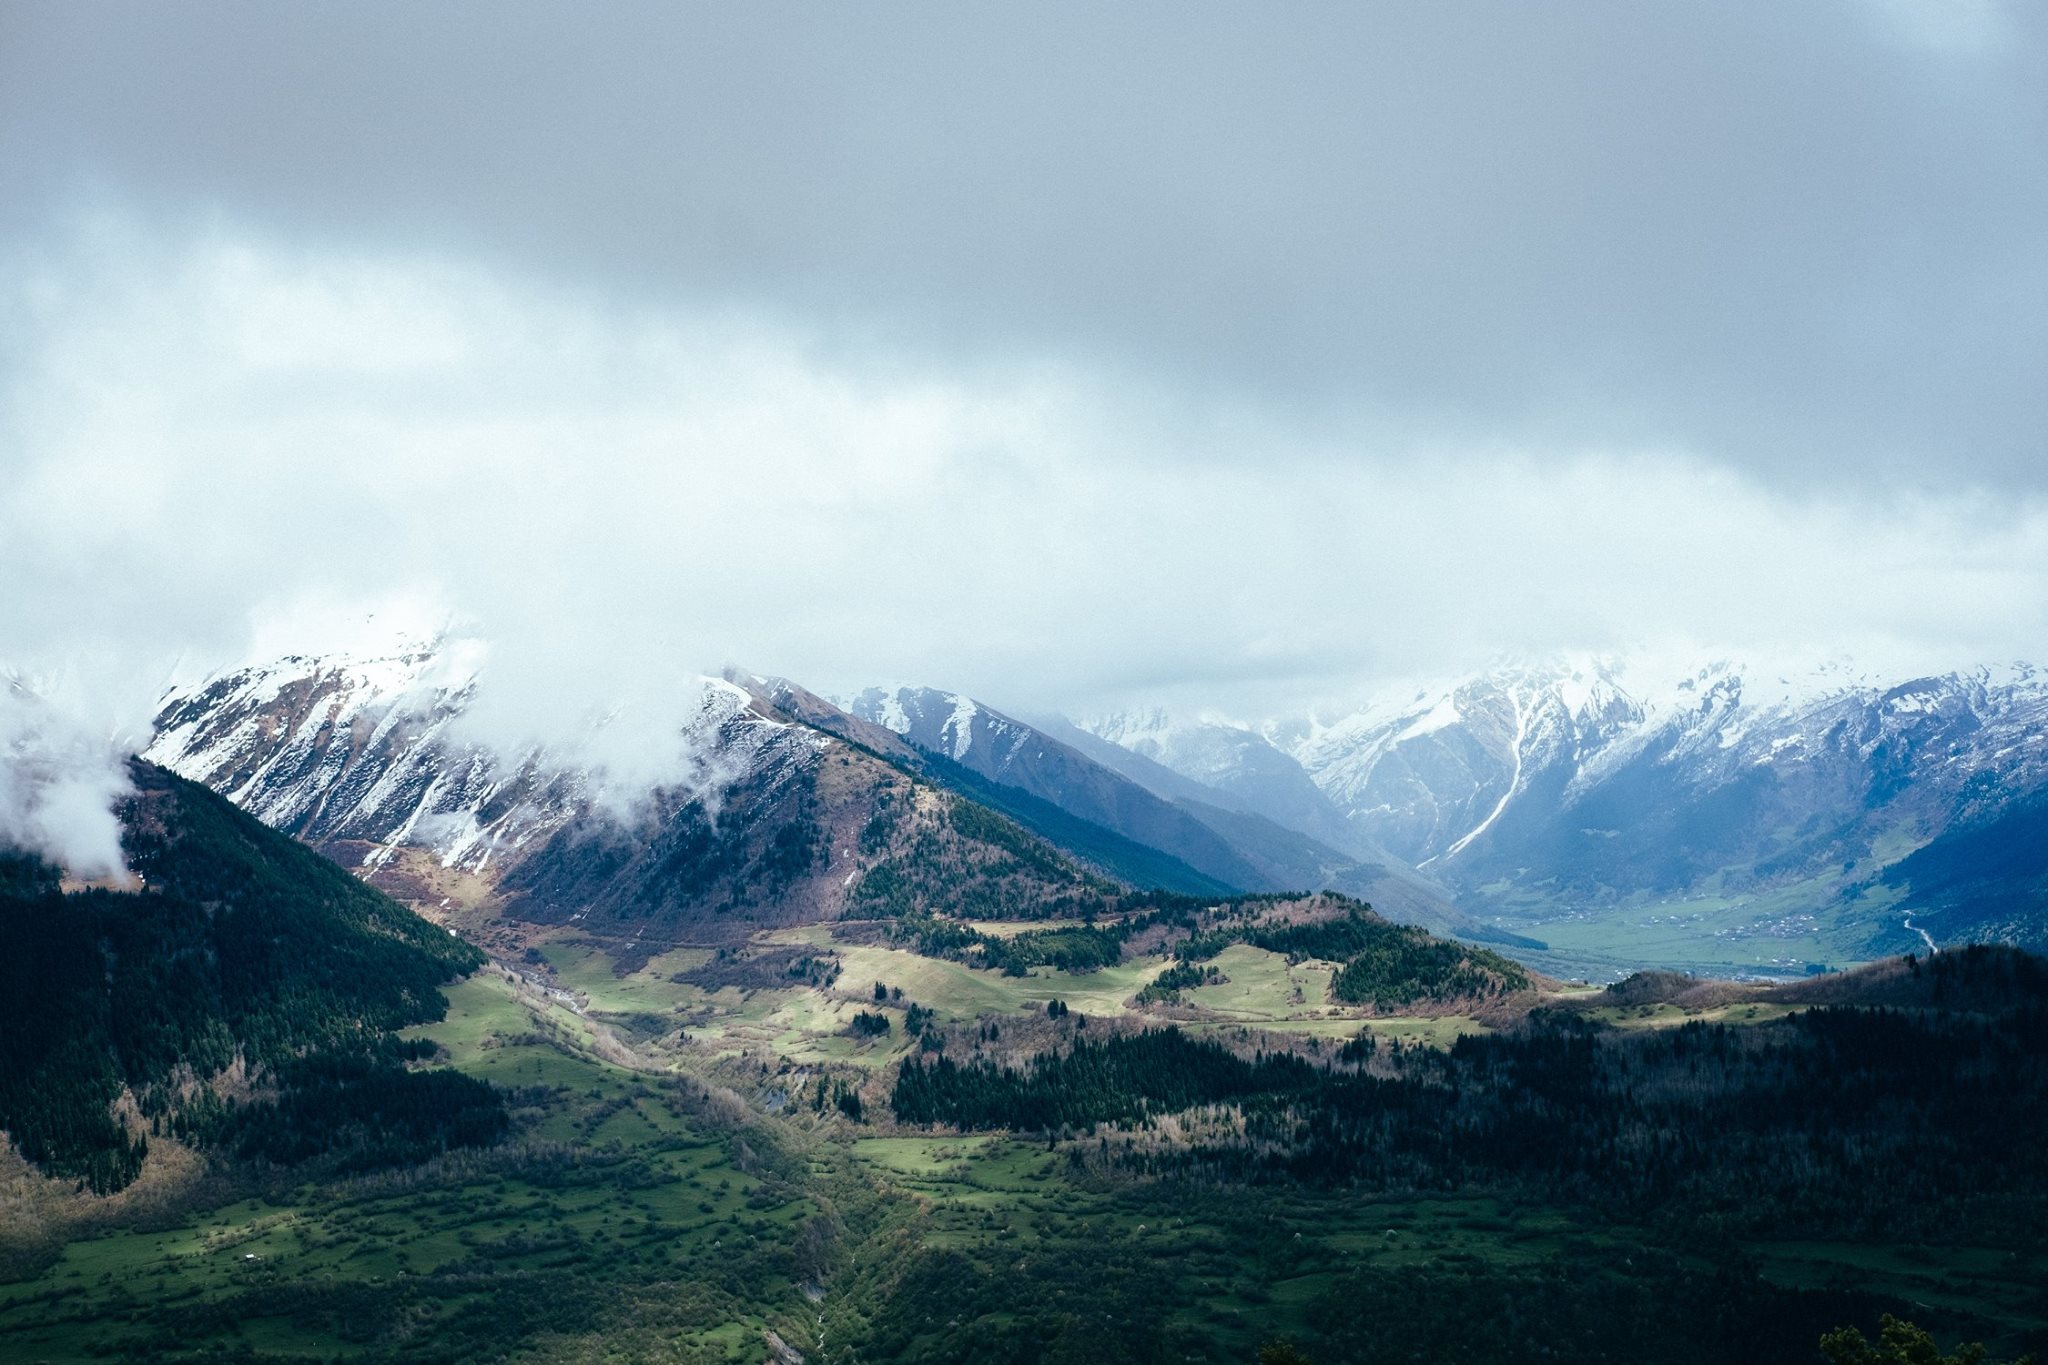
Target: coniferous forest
[1840,1120]
[243,951]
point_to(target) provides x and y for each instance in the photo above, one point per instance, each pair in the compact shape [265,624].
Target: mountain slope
[1579,784]
[240,949]
[1007,751]
[1983,879]
[1285,852]
[1128,860]
[1156,808]
[1228,766]
[783,811]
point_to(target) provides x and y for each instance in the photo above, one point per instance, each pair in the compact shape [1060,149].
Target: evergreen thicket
[1386,965]
[1841,1120]
[242,945]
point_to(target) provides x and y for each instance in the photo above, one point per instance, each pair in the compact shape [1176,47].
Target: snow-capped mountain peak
[1574,780]
[379,750]
[937,720]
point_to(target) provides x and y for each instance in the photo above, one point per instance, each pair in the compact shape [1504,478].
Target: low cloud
[625,731]
[58,784]
[217,441]
[1068,356]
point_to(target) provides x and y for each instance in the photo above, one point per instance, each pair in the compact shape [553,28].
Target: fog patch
[59,782]
[628,736]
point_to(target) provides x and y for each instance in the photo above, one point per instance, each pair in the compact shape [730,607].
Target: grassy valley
[1045,1118]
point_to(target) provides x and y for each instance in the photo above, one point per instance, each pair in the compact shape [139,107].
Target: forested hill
[241,946]
[1902,1101]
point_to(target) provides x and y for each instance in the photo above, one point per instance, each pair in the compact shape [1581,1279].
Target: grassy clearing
[2003,1285]
[808,1026]
[1666,1015]
[798,1025]
[926,1158]
[1010,928]
[959,992]
[1261,986]
[591,973]
[1439,1032]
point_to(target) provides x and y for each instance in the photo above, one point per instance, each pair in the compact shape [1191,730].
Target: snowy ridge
[1514,779]
[1645,767]
[1594,713]
[944,722]
[1206,748]
[375,750]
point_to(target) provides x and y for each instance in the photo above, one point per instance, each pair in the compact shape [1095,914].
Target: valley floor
[704,1168]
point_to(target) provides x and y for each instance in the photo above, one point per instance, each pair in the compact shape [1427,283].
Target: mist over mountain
[58,784]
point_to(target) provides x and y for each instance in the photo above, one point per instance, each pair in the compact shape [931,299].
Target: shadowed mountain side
[1171,813]
[1113,851]
[1009,752]
[1984,879]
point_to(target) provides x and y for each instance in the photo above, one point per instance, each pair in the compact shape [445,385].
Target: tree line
[1839,1120]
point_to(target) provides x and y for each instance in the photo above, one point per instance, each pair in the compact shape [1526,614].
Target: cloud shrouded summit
[1069,357]
[58,784]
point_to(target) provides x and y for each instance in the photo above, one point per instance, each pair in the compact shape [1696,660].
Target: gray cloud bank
[1803,240]
[232,434]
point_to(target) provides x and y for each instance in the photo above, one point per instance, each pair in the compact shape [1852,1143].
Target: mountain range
[1235,838]
[1594,815]
[786,808]
[1719,815]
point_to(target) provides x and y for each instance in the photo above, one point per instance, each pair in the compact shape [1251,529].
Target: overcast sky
[1226,356]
